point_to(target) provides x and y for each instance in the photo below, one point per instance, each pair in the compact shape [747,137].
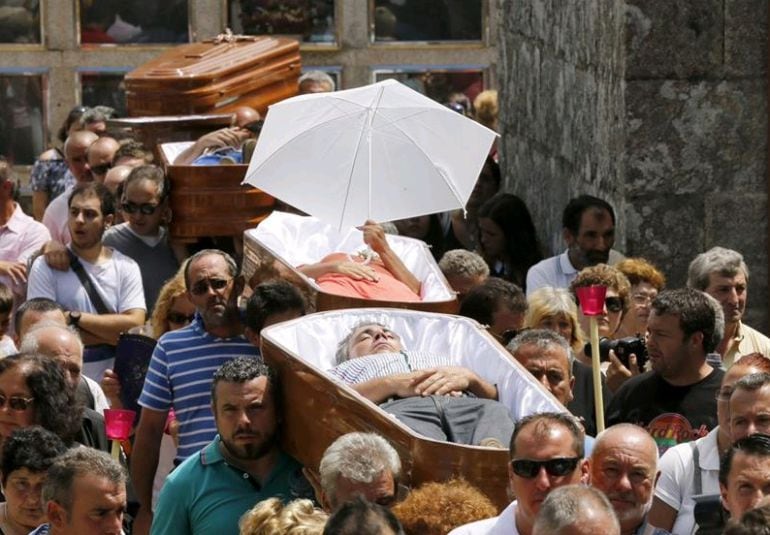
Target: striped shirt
[362,369]
[180,375]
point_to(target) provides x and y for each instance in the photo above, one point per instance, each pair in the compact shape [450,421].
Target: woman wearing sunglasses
[616,304]
[34,391]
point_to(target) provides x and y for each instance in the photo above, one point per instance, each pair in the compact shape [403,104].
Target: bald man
[76,156]
[59,342]
[100,155]
[624,466]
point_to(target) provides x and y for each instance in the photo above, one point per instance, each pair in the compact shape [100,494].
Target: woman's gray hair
[725,262]
[318,77]
[358,457]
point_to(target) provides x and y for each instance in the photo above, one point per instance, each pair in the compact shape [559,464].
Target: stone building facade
[659,107]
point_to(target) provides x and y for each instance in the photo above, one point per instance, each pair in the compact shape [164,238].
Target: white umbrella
[380,152]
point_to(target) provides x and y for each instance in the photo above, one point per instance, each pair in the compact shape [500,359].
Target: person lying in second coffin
[380,275]
[422,390]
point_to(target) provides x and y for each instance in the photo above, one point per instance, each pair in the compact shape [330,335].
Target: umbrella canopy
[379,152]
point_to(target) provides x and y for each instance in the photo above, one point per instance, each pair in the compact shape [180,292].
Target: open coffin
[318,409]
[283,241]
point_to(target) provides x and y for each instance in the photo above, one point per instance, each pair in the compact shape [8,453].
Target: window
[134,21]
[311,21]
[426,20]
[22,115]
[454,84]
[19,22]
[104,87]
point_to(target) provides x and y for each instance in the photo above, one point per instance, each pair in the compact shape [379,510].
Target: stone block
[679,40]
[667,230]
[684,137]
[738,221]
[746,37]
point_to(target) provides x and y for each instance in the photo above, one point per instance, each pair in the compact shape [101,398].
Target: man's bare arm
[106,328]
[144,462]
[447,379]
[400,385]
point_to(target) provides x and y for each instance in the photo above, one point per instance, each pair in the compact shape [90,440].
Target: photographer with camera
[676,400]
[622,365]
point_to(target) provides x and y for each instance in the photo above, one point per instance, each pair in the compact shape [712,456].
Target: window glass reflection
[311,21]
[19,21]
[427,20]
[455,87]
[22,117]
[133,21]
[104,89]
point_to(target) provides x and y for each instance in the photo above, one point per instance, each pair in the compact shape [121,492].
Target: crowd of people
[685,382]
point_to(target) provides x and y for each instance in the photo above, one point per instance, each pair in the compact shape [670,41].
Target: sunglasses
[613,304]
[178,317]
[202,286]
[145,208]
[16,403]
[101,169]
[553,467]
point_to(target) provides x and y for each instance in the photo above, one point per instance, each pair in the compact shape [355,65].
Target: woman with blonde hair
[271,517]
[173,309]
[555,309]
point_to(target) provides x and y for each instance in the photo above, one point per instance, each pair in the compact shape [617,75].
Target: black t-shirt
[582,404]
[671,414]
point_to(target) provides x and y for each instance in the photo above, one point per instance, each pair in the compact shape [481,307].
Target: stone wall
[659,107]
[562,105]
[696,135]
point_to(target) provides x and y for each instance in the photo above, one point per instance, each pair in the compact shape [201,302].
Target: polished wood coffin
[215,77]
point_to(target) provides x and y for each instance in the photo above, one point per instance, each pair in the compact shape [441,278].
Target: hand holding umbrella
[591,300]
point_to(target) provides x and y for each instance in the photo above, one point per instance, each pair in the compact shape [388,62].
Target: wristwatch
[74,318]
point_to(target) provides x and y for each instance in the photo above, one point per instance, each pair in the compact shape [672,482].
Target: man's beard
[589,258]
[212,318]
[250,451]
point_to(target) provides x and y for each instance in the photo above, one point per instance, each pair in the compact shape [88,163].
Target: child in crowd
[7,347]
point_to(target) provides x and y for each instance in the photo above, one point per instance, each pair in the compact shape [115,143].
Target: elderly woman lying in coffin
[376,274]
[422,389]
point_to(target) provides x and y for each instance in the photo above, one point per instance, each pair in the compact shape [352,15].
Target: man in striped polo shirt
[181,370]
[422,390]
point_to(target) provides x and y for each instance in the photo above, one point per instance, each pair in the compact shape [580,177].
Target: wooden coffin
[284,241]
[211,77]
[318,409]
[209,200]
[154,131]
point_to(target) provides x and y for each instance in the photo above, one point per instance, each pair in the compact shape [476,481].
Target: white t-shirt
[505,524]
[675,484]
[117,280]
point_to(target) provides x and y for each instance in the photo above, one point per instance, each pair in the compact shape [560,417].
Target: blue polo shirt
[207,496]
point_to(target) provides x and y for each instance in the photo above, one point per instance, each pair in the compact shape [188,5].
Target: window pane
[19,21]
[133,21]
[22,117]
[458,86]
[103,89]
[311,21]
[427,20]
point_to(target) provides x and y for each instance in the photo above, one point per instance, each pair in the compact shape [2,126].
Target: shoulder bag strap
[85,280]
[696,475]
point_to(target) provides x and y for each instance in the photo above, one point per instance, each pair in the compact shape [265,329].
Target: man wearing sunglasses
[181,367]
[547,452]
[676,400]
[143,236]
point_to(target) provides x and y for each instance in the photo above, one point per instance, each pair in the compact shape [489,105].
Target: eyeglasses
[203,285]
[178,317]
[613,304]
[643,299]
[553,467]
[101,169]
[16,403]
[145,208]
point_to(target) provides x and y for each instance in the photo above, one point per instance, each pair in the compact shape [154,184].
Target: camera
[623,348]
[709,514]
